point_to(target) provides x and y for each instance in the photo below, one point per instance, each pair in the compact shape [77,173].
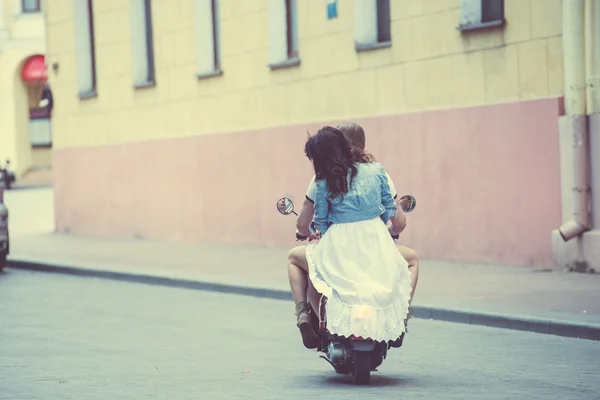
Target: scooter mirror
[285,206]
[408,203]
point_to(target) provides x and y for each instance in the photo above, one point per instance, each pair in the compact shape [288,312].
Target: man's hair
[354,133]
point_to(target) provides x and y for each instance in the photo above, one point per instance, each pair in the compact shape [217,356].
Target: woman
[355,264]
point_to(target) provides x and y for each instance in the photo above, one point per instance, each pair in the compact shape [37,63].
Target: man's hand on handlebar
[393,233]
[308,235]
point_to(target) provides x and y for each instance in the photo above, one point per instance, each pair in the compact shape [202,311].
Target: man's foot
[304,323]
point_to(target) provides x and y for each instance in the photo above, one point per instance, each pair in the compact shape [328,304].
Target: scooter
[350,355]
[7,176]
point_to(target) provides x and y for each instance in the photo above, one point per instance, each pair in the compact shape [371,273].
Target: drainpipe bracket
[582,190]
[592,81]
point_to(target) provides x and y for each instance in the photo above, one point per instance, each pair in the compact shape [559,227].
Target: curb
[32,186]
[554,327]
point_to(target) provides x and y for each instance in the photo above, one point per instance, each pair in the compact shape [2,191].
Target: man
[297,266]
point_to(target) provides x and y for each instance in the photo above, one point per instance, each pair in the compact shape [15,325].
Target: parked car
[4,242]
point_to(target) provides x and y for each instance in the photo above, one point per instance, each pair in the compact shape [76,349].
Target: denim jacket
[368,197]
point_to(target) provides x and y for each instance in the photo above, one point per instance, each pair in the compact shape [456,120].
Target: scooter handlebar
[300,237]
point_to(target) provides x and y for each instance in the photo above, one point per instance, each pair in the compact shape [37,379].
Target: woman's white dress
[358,267]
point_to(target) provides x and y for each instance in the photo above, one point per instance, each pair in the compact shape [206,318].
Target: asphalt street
[64,337]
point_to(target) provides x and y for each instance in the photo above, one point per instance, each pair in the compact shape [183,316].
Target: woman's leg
[412,259]
[297,274]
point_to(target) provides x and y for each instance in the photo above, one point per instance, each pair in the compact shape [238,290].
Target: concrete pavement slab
[82,339]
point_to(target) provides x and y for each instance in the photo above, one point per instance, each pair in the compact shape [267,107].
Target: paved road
[65,337]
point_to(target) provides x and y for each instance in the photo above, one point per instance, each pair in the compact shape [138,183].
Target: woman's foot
[398,342]
[408,316]
[304,323]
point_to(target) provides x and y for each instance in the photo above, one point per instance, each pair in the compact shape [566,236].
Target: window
[142,45]
[478,14]
[207,38]
[283,33]
[30,6]
[291,22]
[384,33]
[85,48]
[372,24]
[40,130]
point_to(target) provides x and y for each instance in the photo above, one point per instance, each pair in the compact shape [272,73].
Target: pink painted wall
[486,179]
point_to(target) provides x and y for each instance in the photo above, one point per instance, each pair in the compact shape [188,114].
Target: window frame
[291,11]
[42,114]
[92,45]
[149,62]
[292,37]
[481,22]
[384,34]
[384,5]
[37,10]
[216,43]
[93,90]
[149,31]
[215,31]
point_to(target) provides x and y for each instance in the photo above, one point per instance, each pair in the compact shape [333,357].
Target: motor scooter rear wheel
[361,374]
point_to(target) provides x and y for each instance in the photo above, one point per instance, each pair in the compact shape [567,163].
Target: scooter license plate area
[362,345]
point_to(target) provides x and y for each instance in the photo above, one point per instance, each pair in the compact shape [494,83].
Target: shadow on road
[377,380]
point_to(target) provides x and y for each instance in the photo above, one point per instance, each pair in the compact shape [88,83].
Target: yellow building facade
[25,131]
[185,119]
[429,65]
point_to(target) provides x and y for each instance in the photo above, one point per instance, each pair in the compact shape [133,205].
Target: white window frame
[142,44]
[283,34]
[372,24]
[20,5]
[208,44]
[40,132]
[85,56]
[473,14]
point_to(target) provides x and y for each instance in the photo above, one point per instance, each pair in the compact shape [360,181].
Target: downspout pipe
[592,55]
[575,107]
[592,43]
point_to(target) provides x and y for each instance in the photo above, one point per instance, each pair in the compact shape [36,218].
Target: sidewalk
[566,304]
[34,178]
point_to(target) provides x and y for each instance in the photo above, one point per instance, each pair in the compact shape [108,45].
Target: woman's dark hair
[333,156]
